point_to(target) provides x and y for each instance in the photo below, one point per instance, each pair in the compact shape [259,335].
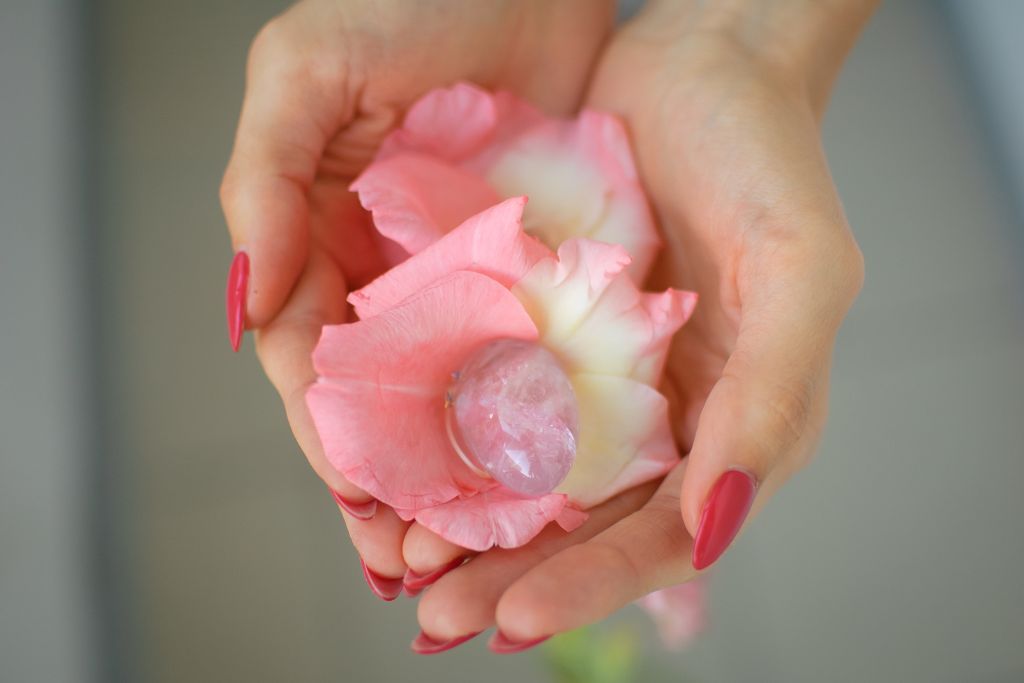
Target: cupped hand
[725,116]
[326,81]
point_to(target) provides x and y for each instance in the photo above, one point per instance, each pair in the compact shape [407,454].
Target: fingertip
[722,516]
[270,217]
[448,610]
[235,297]
[379,541]
[424,551]
[363,510]
[520,616]
[553,596]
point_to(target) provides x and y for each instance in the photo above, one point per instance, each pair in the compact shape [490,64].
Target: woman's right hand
[326,81]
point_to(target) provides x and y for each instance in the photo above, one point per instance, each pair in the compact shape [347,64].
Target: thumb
[288,114]
[763,417]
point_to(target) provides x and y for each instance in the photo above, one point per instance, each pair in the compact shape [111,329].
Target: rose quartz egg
[516,416]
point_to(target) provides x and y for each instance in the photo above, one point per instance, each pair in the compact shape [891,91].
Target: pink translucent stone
[516,416]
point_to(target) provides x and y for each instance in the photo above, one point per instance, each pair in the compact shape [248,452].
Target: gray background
[159,524]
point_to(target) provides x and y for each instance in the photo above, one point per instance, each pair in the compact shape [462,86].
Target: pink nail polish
[234,298]
[383,587]
[415,583]
[503,645]
[363,511]
[425,645]
[724,511]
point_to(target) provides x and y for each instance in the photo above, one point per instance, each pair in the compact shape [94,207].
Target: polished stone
[515,416]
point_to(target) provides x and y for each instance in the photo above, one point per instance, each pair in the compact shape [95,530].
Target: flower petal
[679,612]
[578,173]
[416,199]
[498,517]
[625,438]
[581,182]
[594,318]
[379,403]
[491,242]
[459,122]
[451,123]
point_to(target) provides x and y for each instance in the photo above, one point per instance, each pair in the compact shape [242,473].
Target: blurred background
[157,522]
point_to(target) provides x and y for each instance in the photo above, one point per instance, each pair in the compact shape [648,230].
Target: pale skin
[723,100]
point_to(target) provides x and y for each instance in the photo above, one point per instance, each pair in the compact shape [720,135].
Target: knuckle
[617,562]
[269,42]
[843,268]
[229,191]
[775,417]
[785,412]
[282,50]
[852,269]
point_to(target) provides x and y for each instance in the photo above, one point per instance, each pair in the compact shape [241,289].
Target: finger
[293,104]
[379,543]
[764,416]
[464,600]
[425,552]
[285,348]
[585,583]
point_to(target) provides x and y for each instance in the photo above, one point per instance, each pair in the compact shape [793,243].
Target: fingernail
[724,511]
[234,298]
[503,645]
[384,588]
[425,645]
[414,583]
[362,511]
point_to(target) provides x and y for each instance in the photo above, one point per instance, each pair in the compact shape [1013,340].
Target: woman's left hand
[726,126]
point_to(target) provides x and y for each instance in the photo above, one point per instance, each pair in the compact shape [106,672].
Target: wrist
[801,43]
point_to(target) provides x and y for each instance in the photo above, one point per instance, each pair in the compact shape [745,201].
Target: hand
[326,81]
[725,112]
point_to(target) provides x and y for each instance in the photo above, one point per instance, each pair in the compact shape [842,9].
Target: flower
[679,612]
[461,150]
[381,403]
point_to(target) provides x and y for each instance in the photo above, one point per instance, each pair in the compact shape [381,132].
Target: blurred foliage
[590,655]
[616,652]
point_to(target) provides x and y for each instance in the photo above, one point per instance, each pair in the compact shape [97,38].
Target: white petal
[594,318]
[625,438]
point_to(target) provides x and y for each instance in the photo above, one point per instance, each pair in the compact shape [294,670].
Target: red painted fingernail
[414,583]
[362,511]
[503,645]
[234,298]
[425,645]
[384,588]
[724,511]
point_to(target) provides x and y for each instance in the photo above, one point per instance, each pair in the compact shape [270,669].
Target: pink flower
[679,612]
[502,373]
[461,150]
[380,403]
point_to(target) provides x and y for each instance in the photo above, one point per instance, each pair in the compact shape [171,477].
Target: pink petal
[571,518]
[497,517]
[592,315]
[679,612]
[491,242]
[379,403]
[457,123]
[416,199]
[625,438]
[578,173]
[451,123]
